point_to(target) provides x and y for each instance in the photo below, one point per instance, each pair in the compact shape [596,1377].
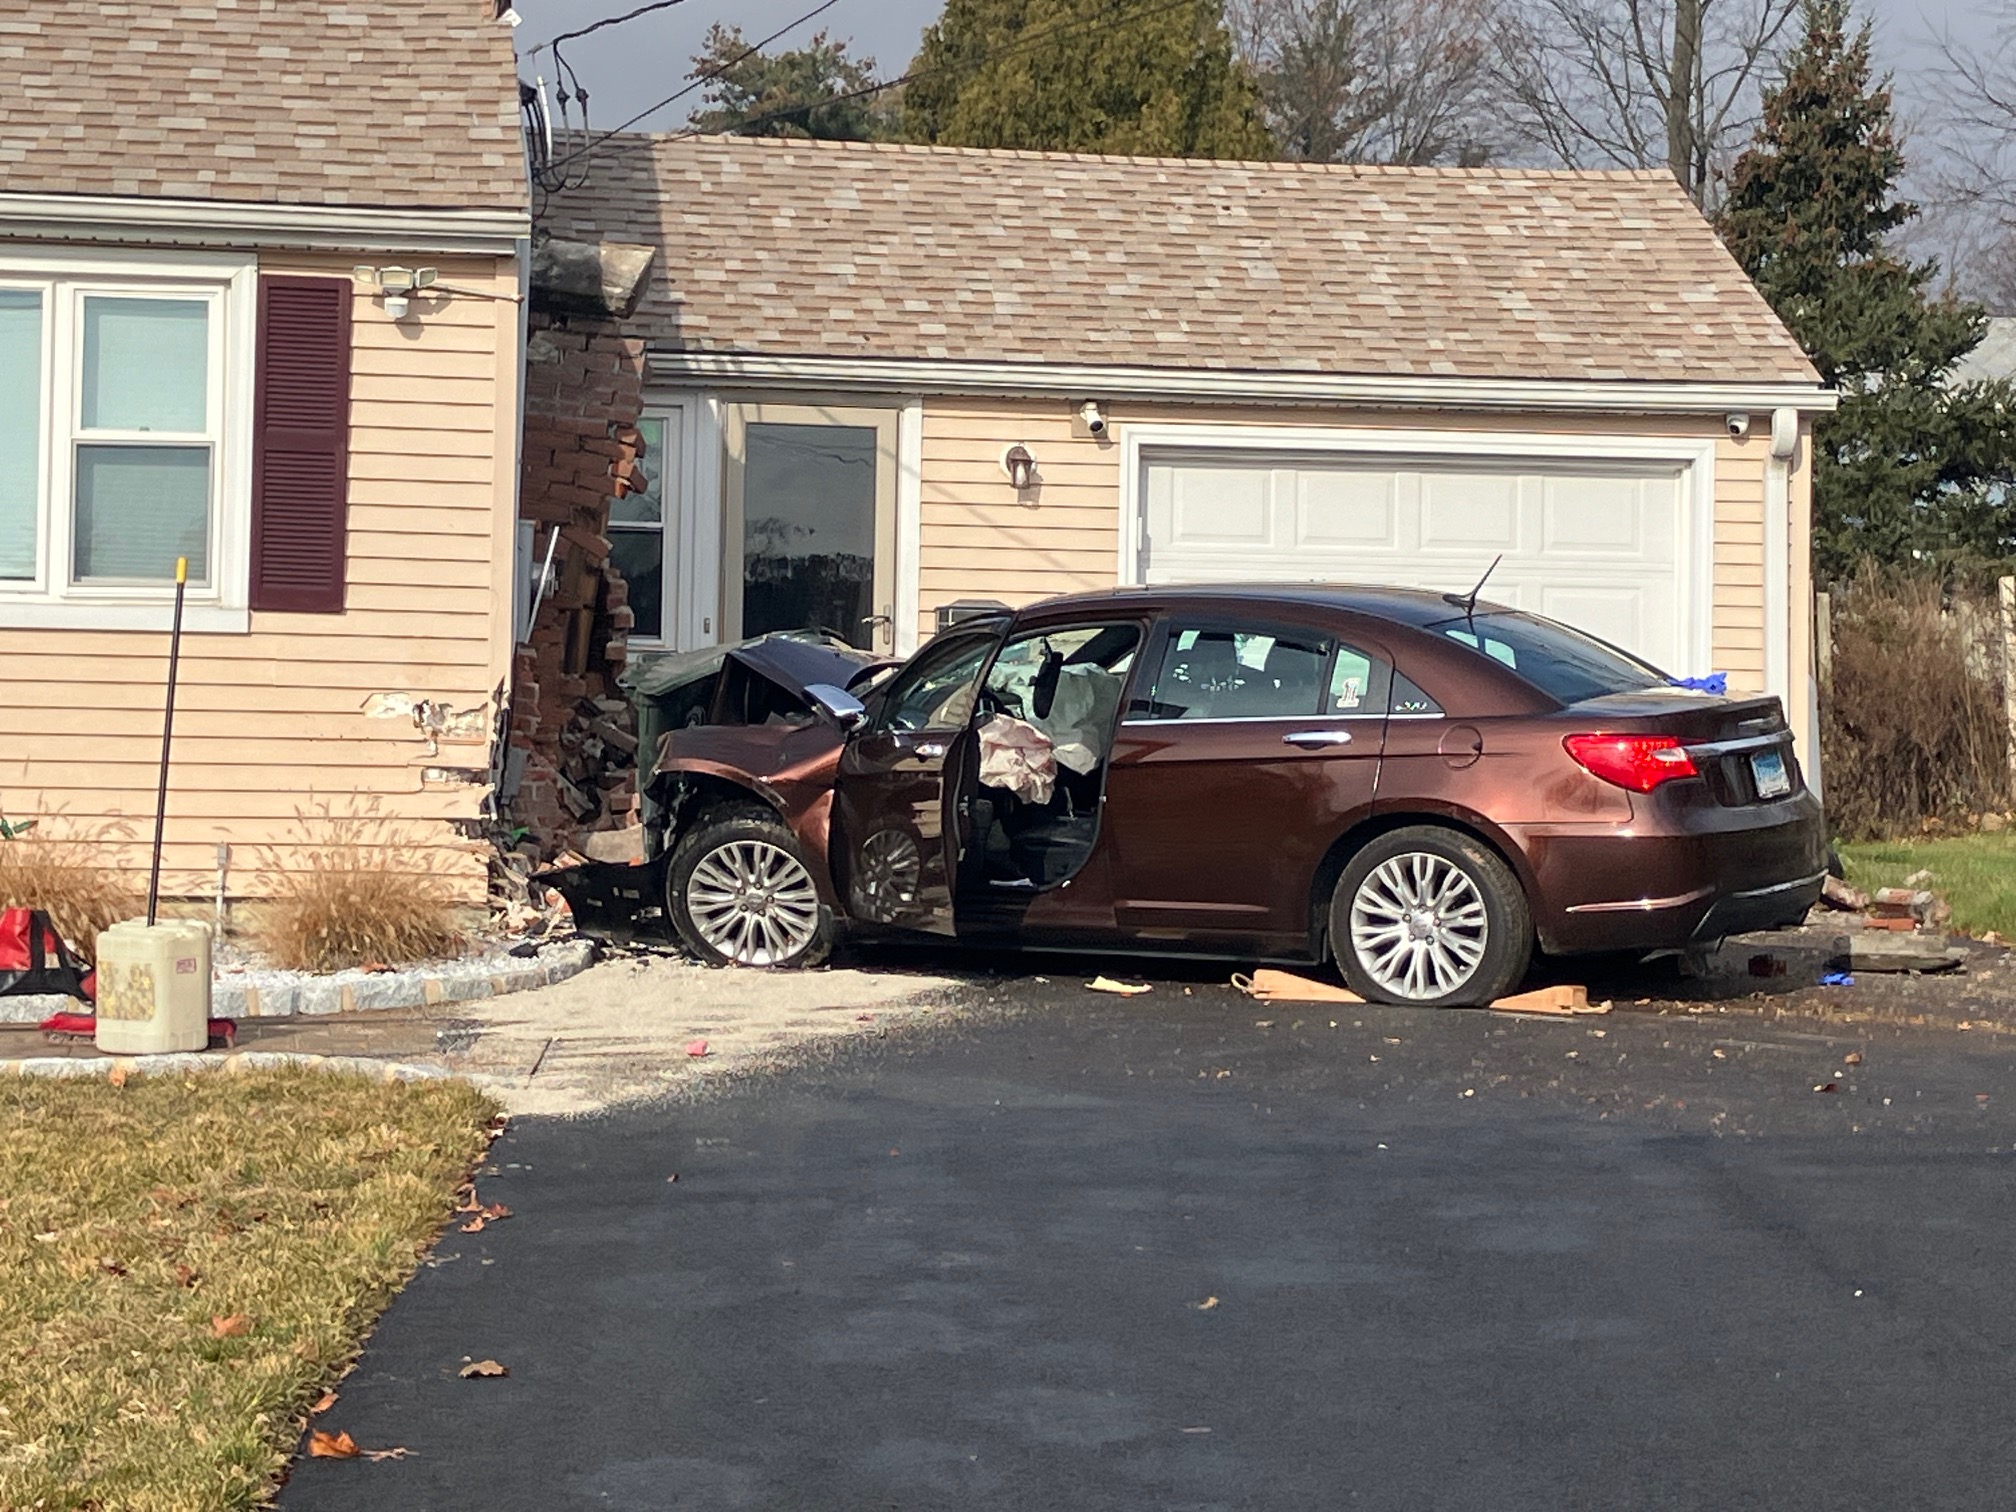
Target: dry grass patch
[356,906]
[186,1264]
[63,876]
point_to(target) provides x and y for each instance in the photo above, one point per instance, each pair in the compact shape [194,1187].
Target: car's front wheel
[740,893]
[1430,917]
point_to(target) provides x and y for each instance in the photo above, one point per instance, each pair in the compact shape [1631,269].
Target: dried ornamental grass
[81,896]
[357,905]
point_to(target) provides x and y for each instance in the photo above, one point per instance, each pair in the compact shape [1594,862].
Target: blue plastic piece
[1715,682]
[1837,979]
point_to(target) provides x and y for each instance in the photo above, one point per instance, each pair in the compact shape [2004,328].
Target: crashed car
[1422,787]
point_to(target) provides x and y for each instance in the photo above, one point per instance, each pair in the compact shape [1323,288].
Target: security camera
[1738,423]
[1095,422]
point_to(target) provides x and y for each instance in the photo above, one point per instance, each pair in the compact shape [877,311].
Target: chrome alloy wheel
[1418,925]
[886,876]
[754,902]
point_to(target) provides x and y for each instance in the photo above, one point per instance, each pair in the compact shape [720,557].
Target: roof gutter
[1230,386]
[243,223]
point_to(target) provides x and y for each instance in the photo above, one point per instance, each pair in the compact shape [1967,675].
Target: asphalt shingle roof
[396,103]
[838,249]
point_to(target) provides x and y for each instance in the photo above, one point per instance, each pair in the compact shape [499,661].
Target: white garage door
[1598,546]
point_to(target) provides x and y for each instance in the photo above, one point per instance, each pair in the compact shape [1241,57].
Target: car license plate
[1773,781]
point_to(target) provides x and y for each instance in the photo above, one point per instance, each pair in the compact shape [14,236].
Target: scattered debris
[1270,986]
[1118,989]
[1563,1000]
[696,1048]
[1828,1087]
[235,1326]
[332,1446]
[477,1370]
[1837,979]
[1207,1304]
[1838,895]
[1852,1058]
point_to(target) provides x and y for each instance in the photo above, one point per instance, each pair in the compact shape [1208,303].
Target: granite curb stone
[349,991]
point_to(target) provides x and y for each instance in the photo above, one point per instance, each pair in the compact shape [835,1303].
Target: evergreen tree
[1911,467]
[799,92]
[1149,77]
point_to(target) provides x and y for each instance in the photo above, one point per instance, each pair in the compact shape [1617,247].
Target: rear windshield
[1565,664]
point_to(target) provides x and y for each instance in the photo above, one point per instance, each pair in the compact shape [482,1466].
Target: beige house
[881,379]
[208,214]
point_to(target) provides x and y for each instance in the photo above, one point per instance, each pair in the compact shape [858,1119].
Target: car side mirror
[837,705]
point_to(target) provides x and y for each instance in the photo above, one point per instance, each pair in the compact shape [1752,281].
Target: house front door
[810,528]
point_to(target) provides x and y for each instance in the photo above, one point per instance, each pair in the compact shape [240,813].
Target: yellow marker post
[167,739]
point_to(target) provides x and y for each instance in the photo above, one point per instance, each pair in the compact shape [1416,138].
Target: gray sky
[629,66]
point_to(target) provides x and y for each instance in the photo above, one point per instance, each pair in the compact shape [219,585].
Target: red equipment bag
[34,959]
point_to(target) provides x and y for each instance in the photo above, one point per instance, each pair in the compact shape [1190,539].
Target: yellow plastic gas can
[153,987]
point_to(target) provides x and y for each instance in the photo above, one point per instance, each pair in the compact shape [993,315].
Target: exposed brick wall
[584,392]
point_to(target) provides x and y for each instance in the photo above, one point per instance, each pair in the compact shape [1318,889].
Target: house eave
[247,223]
[885,375]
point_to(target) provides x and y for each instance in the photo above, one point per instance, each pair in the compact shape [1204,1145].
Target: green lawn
[187,1263]
[1975,873]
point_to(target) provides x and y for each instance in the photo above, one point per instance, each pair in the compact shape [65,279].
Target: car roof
[1408,606]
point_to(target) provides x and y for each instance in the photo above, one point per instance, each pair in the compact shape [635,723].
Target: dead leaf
[483,1369]
[332,1446]
[186,1276]
[495,1212]
[1852,1058]
[475,1225]
[230,1326]
[376,1455]
[322,1404]
[1207,1304]
[110,1266]
[116,1077]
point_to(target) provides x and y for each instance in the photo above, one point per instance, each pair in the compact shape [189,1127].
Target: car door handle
[1317,738]
[929,750]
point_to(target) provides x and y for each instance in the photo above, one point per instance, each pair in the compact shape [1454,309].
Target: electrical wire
[1077,26]
[702,78]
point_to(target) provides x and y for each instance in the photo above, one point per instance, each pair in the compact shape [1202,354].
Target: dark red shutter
[301,445]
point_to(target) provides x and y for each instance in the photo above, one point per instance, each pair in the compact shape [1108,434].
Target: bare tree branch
[1379,81]
[1639,83]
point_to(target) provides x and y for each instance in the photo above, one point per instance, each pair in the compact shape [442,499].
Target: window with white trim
[119,438]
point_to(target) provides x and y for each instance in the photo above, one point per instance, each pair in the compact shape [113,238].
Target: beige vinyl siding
[274,752]
[979,540]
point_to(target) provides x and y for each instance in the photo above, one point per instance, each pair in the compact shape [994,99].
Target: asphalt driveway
[1179,1252]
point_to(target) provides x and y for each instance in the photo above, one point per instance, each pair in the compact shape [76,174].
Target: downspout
[1778,581]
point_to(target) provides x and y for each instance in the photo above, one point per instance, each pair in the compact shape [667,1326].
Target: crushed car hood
[793,659]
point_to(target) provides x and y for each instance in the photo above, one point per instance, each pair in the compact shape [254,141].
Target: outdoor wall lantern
[395,285]
[1020,465]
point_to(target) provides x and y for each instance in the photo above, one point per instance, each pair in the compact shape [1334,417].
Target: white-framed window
[649,526]
[125,437]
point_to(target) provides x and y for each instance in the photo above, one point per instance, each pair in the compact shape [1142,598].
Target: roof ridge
[1029,154]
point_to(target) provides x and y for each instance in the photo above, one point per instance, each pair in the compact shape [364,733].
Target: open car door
[897,850]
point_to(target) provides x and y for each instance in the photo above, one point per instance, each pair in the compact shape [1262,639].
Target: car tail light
[1637,762]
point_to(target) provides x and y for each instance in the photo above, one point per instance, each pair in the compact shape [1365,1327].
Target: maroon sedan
[1419,786]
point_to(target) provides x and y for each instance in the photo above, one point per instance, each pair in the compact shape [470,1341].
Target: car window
[1082,660]
[1209,673]
[1409,699]
[935,691]
[1358,684]
[1563,663]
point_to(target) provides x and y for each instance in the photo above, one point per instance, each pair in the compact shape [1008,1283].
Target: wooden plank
[416,441]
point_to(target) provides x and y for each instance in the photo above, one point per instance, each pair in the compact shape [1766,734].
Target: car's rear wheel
[1430,917]
[740,893]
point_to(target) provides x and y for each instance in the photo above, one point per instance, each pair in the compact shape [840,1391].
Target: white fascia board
[247,223]
[912,376]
